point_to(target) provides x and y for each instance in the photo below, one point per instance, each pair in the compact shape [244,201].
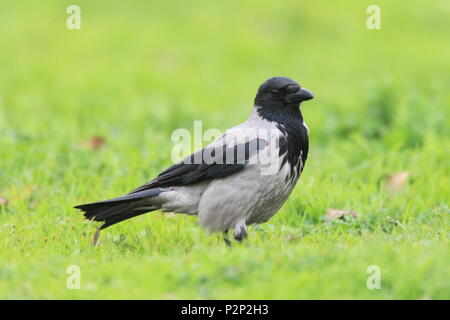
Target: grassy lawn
[136,72]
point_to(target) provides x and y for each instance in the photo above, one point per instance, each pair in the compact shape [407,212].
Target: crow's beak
[302,95]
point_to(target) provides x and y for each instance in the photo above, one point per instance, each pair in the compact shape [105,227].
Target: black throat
[294,143]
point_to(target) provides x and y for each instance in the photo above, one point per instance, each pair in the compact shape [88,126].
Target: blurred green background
[136,71]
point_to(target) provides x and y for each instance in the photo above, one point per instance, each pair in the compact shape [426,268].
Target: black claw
[227,242]
[240,234]
[226,239]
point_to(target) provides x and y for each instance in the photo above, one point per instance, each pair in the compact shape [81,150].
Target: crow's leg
[226,238]
[240,232]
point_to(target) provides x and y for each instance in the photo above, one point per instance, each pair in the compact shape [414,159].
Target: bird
[240,179]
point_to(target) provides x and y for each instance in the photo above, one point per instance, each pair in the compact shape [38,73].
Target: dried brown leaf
[97,142]
[93,143]
[3,202]
[333,214]
[96,237]
[397,181]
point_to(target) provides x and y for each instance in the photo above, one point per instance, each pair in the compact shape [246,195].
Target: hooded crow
[241,178]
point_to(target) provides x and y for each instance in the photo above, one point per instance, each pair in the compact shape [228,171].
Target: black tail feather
[119,209]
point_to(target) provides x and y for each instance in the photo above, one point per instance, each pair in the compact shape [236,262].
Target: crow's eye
[293,88]
[275,92]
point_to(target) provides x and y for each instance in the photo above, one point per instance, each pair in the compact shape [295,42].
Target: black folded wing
[212,162]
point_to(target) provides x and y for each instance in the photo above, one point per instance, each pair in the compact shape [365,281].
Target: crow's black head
[281,92]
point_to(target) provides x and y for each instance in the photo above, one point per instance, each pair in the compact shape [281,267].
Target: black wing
[207,164]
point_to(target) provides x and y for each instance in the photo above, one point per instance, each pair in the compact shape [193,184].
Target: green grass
[136,72]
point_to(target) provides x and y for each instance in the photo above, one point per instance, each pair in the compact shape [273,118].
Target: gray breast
[250,196]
